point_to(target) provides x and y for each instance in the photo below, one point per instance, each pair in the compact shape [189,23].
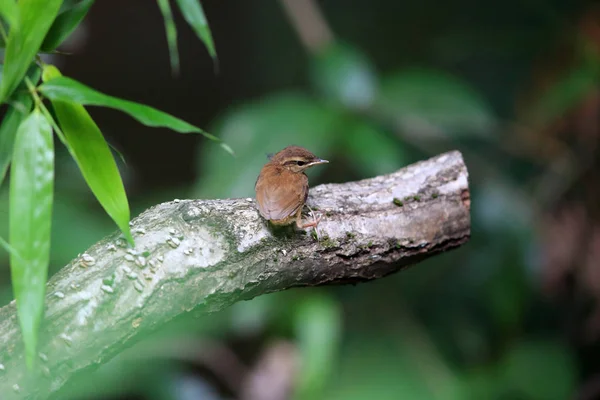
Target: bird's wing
[282,197]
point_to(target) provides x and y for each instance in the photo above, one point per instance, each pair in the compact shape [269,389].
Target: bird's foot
[312,224]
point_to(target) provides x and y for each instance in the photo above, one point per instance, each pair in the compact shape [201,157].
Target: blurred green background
[379,84]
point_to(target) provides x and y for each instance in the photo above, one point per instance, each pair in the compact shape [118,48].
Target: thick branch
[208,254]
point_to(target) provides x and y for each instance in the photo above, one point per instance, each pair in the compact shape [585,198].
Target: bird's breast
[280,192]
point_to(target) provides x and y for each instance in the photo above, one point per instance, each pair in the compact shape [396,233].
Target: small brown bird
[282,186]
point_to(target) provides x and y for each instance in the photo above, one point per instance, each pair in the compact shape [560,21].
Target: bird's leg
[303,225]
[315,220]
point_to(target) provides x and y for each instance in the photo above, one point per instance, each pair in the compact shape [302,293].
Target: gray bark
[204,255]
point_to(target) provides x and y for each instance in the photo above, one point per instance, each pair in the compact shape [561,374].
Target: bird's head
[296,159]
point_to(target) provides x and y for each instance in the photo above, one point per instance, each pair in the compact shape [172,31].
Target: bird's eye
[300,163]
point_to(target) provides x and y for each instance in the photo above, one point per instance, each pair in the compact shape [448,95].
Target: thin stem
[40,104]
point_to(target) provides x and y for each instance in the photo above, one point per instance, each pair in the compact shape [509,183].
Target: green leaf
[12,119]
[539,369]
[68,4]
[30,216]
[93,156]
[383,368]
[95,161]
[171,30]
[9,11]
[266,126]
[318,326]
[24,41]
[371,152]
[194,15]
[432,104]
[65,24]
[345,75]
[66,89]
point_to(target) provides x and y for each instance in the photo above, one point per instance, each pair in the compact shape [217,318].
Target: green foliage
[433,104]
[171,30]
[65,23]
[538,370]
[92,154]
[30,206]
[318,329]
[36,26]
[194,15]
[372,151]
[24,40]
[65,89]
[11,121]
[9,11]
[475,334]
[344,75]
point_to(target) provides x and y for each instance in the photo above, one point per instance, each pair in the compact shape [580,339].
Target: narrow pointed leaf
[66,89]
[11,121]
[96,163]
[9,11]
[93,156]
[171,30]
[24,40]
[65,24]
[194,15]
[30,216]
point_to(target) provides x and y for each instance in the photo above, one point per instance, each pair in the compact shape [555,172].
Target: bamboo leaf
[66,89]
[93,156]
[24,40]
[11,121]
[171,30]
[9,11]
[194,15]
[65,24]
[30,216]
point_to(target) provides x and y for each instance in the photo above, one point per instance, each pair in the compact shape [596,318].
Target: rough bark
[207,254]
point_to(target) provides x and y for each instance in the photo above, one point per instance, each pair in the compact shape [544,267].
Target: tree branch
[207,254]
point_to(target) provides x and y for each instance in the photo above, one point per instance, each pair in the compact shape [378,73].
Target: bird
[282,187]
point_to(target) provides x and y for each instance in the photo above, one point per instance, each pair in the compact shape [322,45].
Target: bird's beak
[317,162]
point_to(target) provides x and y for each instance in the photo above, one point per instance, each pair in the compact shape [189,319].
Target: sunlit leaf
[66,89]
[24,41]
[264,127]
[12,119]
[94,158]
[65,24]
[9,11]
[432,104]
[318,326]
[345,75]
[30,216]
[171,30]
[194,15]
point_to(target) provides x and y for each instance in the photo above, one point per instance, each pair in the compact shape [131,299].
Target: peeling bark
[207,254]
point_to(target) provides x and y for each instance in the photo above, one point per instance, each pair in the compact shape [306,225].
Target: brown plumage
[282,186]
